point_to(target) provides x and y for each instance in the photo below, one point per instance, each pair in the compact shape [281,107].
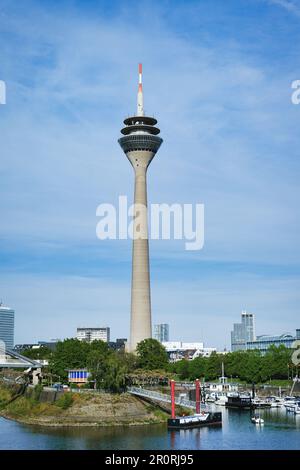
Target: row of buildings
[243,336]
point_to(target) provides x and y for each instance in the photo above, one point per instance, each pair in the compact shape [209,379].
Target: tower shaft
[140,317]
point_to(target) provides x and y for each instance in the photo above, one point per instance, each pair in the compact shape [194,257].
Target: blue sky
[217,75]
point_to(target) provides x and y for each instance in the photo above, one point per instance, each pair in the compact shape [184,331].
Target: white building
[93,334]
[174,345]
[178,350]
[203,352]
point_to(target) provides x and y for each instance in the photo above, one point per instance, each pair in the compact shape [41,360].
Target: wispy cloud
[230,141]
[292,7]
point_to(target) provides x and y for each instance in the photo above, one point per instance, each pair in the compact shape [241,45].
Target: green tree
[213,366]
[183,369]
[115,375]
[198,368]
[39,353]
[69,354]
[97,364]
[151,354]
[107,369]
[129,360]
[275,362]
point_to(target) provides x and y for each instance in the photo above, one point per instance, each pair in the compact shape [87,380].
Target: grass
[5,395]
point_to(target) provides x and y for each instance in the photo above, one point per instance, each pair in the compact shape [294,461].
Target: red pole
[172,382]
[198,392]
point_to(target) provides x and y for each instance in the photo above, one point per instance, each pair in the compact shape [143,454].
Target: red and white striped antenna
[140,99]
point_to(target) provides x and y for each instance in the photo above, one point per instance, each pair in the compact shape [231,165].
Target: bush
[37,392]
[65,401]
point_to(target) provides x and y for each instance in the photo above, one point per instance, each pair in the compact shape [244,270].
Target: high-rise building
[243,332]
[161,332]
[93,334]
[140,143]
[7,326]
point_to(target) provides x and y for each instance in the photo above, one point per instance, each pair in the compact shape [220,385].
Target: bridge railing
[161,396]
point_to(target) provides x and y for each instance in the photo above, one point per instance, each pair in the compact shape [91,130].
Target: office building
[161,332]
[7,326]
[243,337]
[93,334]
[263,342]
[243,332]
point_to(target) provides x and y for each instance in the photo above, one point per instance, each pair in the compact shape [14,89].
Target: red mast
[198,396]
[172,383]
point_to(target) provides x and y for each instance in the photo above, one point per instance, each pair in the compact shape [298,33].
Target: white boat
[278,403]
[275,402]
[260,403]
[294,408]
[290,403]
[257,420]
[222,400]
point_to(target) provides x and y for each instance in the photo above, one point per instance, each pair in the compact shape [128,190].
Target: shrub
[65,401]
[37,392]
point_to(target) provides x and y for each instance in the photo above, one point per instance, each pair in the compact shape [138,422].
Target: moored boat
[256,419]
[195,421]
[240,401]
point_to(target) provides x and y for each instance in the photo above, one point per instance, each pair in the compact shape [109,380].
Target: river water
[280,431]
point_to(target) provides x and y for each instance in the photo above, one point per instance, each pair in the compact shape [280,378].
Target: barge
[242,402]
[196,420]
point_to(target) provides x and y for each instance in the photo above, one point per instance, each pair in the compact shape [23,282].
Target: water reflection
[281,430]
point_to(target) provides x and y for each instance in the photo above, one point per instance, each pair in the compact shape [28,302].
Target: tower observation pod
[140,143]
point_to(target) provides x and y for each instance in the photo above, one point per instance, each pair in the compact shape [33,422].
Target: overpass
[11,360]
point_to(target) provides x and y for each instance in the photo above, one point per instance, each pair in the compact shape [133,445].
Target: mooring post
[198,396]
[172,382]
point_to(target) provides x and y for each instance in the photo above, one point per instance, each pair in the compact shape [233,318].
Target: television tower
[140,143]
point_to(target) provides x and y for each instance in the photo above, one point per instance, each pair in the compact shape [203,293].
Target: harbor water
[281,431]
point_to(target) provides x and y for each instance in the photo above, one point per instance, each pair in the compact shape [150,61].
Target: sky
[217,75]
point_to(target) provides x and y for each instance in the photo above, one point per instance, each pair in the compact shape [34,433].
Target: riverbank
[83,409]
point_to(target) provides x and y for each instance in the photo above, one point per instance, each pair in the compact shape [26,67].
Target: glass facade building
[7,326]
[161,332]
[243,332]
[263,342]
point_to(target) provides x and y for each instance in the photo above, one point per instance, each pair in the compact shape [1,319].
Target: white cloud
[292,7]
[230,141]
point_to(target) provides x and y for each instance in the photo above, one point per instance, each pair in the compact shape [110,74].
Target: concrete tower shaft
[140,143]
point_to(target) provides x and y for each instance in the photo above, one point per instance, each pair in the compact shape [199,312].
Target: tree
[151,354]
[182,368]
[38,353]
[275,362]
[197,368]
[69,354]
[115,375]
[213,366]
[107,369]
[97,364]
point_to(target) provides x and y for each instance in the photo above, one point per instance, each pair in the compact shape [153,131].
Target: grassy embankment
[86,409]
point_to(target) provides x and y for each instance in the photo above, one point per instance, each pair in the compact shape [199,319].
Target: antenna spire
[140,99]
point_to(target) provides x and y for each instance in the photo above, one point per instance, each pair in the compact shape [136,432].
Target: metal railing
[142,392]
